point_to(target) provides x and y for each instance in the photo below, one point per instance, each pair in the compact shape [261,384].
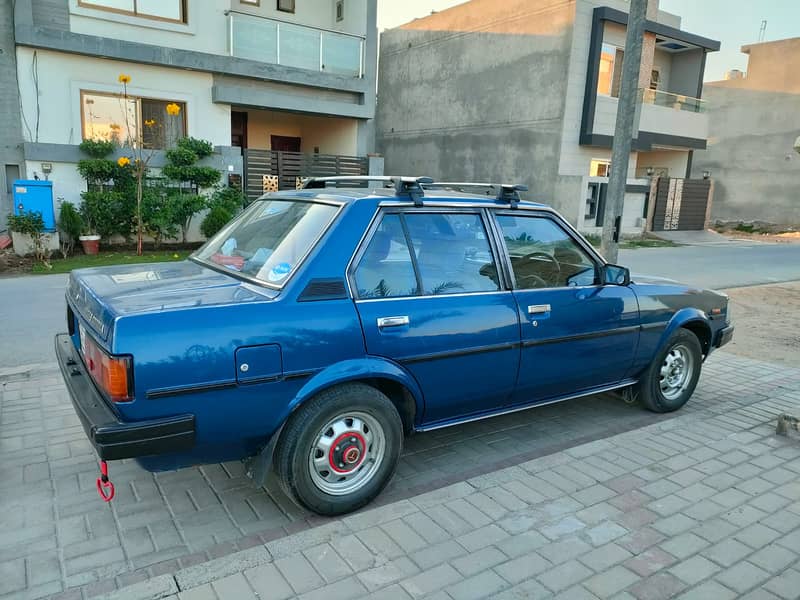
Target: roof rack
[504,192]
[410,186]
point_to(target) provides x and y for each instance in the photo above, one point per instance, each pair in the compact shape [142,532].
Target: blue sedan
[322,325]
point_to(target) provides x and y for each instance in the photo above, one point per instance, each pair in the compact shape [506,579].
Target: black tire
[649,389]
[304,430]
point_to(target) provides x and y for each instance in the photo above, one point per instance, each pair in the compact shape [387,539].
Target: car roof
[387,196]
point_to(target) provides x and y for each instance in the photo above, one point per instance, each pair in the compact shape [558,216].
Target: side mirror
[615,275]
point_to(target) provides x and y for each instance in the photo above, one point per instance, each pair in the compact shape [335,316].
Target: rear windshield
[269,240]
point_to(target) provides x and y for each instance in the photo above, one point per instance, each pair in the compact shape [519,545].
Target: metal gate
[681,204]
[261,167]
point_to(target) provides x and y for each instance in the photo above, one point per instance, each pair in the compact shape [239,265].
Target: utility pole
[623,131]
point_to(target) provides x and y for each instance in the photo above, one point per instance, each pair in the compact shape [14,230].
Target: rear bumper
[723,336]
[112,438]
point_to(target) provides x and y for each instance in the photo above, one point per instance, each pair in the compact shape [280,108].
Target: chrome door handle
[392,321]
[538,309]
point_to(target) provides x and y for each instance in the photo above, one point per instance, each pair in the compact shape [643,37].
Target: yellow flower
[114,127]
[124,78]
[173,109]
[149,122]
[123,161]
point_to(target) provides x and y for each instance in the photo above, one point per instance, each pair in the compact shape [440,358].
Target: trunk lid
[100,295]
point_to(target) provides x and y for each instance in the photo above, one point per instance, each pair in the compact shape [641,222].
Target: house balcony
[291,45]
[664,119]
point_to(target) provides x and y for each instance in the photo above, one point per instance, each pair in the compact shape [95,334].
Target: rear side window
[453,253]
[385,269]
[449,254]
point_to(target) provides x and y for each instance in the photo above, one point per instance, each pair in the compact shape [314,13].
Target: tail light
[112,373]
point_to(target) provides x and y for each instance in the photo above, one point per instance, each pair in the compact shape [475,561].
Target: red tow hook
[104,486]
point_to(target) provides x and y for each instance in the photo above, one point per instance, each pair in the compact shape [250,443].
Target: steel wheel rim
[346,453]
[676,372]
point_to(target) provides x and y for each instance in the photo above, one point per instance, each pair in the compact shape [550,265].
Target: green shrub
[202,177]
[70,226]
[108,212]
[31,223]
[157,214]
[181,157]
[98,170]
[216,218]
[201,148]
[232,199]
[97,148]
[183,208]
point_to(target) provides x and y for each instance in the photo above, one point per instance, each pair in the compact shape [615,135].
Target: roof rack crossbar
[410,186]
[505,192]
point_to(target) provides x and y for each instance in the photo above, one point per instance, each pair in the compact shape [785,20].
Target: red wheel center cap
[351,455]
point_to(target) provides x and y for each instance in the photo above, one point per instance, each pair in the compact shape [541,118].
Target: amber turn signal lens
[111,373]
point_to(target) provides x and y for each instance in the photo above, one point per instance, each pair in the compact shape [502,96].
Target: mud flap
[258,467]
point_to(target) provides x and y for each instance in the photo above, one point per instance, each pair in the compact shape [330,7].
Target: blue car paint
[461,355]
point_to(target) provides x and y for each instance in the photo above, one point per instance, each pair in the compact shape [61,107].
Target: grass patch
[631,243]
[746,228]
[104,259]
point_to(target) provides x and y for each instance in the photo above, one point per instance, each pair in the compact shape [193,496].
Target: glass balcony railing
[674,101]
[280,43]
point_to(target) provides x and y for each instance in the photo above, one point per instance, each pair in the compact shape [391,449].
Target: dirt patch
[11,264]
[766,322]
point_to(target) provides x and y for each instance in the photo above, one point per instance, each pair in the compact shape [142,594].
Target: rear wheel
[340,449]
[670,380]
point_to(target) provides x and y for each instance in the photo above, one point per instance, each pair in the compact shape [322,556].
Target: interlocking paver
[709,589]
[742,576]
[727,552]
[267,582]
[565,575]
[523,567]
[695,569]
[660,586]
[611,581]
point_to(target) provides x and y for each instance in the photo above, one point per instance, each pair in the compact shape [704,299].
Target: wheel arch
[693,320]
[386,376]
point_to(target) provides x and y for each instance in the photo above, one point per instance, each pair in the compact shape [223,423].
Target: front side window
[543,254]
[126,120]
[165,10]
[269,240]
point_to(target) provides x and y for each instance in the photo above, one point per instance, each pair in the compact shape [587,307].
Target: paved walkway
[706,501]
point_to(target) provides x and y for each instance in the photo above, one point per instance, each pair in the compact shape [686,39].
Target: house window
[286,6]
[340,10]
[126,120]
[599,168]
[251,2]
[610,74]
[162,10]
[655,79]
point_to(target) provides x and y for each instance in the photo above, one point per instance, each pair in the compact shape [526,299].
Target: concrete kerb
[198,575]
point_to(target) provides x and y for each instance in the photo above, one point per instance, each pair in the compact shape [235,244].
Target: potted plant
[70,227]
[90,240]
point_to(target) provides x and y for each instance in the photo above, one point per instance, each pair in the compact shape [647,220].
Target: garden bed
[11,264]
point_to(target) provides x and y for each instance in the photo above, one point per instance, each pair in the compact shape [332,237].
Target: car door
[429,297]
[576,333]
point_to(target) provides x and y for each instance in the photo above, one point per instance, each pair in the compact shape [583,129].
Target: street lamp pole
[623,131]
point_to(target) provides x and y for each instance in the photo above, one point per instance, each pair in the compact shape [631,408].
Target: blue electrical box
[35,196]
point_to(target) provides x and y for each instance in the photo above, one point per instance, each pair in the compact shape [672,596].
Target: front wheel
[340,449]
[670,380]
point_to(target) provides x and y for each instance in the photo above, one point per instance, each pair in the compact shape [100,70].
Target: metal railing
[292,45]
[674,101]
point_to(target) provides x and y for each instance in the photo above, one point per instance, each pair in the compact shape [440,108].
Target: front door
[429,298]
[283,143]
[239,129]
[576,334]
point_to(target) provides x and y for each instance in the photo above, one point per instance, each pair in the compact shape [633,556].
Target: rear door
[429,297]
[576,334]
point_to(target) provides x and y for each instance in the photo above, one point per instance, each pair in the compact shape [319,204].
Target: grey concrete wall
[750,155]
[10,122]
[51,13]
[477,93]
[686,72]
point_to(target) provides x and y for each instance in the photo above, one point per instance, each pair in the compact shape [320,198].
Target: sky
[732,22]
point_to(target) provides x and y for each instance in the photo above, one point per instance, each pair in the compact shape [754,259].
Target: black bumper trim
[112,438]
[723,336]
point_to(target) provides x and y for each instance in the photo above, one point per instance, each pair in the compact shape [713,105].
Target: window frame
[491,238]
[338,14]
[291,11]
[184,19]
[568,231]
[138,99]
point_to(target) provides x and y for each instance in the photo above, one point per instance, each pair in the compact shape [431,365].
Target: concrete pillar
[375,165]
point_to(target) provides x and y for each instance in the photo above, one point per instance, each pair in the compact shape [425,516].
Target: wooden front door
[283,143]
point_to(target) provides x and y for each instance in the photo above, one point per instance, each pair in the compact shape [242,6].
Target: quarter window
[544,255]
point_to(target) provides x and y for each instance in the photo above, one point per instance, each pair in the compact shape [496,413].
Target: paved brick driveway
[55,534]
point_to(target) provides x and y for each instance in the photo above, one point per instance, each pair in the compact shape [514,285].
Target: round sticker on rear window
[279,271]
